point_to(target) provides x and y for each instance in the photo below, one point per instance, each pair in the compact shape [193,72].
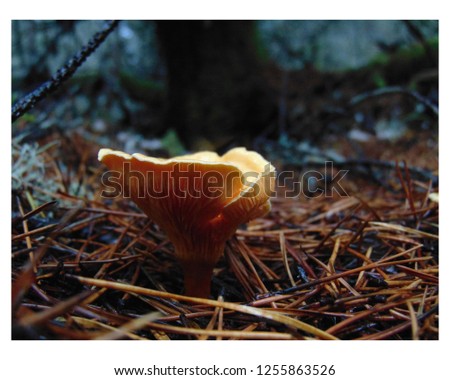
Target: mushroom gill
[198,200]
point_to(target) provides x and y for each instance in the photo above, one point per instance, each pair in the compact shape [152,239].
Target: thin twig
[395,90]
[64,73]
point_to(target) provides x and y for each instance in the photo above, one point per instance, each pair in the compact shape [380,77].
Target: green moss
[261,50]
[141,89]
[418,50]
[398,67]
[378,79]
[408,53]
[172,143]
[379,59]
[29,118]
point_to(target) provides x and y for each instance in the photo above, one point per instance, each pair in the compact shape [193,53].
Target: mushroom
[198,200]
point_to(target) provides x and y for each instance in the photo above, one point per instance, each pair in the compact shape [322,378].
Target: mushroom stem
[197,279]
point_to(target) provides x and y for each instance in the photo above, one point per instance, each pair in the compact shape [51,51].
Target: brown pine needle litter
[362,266]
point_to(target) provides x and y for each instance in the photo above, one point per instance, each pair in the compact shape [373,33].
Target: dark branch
[395,90]
[63,74]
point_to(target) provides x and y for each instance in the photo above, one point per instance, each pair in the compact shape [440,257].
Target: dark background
[177,85]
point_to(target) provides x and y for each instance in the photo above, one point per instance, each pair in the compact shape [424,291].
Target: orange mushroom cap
[199,200]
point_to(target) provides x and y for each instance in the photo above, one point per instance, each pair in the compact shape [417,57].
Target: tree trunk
[216,93]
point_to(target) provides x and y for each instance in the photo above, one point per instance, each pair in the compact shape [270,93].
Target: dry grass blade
[414,322]
[407,230]
[39,209]
[60,308]
[420,274]
[36,231]
[285,258]
[104,329]
[134,324]
[278,317]
[361,315]
[219,334]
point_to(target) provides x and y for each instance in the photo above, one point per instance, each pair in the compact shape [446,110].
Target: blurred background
[288,88]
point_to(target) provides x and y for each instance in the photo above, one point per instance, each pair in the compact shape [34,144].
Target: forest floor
[359,264]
